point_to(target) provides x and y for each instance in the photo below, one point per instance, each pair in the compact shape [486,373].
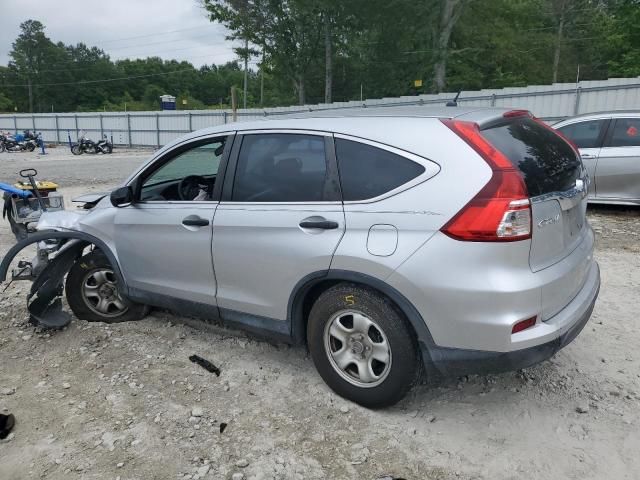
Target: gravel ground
[124,402]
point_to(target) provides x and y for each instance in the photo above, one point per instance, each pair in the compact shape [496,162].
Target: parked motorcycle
[18,143]
[86,145]
[104,145]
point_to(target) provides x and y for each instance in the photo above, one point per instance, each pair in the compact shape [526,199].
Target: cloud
[170,29]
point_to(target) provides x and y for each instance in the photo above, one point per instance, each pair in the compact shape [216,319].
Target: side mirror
[121,197]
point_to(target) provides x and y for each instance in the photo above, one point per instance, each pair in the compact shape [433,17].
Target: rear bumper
[567,324]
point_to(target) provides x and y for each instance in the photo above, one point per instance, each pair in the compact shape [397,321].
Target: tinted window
[367,172]
[584,134]
[280,167]
[547,162]
[626,133]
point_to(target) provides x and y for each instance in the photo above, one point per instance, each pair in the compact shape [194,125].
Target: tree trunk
[30,95]
[328,59]
[451,10]
[556,56]
[299,86]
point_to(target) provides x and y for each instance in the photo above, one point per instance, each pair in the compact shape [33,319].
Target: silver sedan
[609,144]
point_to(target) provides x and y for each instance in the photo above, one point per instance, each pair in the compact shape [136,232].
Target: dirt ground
[124,402]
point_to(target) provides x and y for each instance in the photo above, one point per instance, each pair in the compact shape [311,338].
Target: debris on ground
[206,364]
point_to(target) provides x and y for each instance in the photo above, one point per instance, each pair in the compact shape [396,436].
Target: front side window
[281,167]
[626,133]
[367,172]
[189,176]
[584,134]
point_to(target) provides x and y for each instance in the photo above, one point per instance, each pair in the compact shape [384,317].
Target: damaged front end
[59,242]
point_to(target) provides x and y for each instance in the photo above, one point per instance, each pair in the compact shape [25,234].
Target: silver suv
[388,241]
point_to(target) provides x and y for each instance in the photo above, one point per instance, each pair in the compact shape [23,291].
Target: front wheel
[363,348]
[92,292]
[31,147]
[76,150]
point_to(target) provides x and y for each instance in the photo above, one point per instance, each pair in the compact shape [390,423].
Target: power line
[153,34]
[83,82]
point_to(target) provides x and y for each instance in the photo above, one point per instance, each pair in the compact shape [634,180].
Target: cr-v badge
[548,221]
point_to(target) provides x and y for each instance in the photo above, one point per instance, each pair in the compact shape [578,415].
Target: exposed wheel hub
[357,348]
[100,293]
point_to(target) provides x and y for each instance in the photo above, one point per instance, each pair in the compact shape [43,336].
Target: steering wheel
[189,186]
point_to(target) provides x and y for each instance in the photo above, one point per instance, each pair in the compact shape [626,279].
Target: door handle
[195,221]
[588,155]
[320,224]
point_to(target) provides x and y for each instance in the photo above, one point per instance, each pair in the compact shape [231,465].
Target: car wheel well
[312,293]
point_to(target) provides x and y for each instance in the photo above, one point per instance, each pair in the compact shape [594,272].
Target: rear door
[280,219]
[618,170]
[556,181]
[588,136]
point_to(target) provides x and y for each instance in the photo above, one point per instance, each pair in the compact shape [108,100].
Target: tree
[29,54]
[5,104]
[450,11]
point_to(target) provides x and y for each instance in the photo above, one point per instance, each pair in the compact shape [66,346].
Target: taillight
[501,211]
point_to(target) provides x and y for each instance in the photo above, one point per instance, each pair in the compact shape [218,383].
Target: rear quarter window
[626,133]
[546,161]
[367,172]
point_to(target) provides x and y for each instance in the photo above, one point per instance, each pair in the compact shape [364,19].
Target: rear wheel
[362,346]
[2,147]
[92,292]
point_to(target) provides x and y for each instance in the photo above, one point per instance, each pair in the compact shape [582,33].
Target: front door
[280,219]
[618,170]
[163,240]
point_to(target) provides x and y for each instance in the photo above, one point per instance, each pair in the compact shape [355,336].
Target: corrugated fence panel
[204,120]
[551,102]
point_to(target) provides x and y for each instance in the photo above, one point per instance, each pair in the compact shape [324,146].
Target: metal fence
[550,102]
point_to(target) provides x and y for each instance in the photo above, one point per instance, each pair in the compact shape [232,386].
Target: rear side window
[626,133]
[584,134]
[368,172]
[281,167]
[545,160]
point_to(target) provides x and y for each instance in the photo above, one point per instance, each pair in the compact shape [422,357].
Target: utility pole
[246,70]
[262,80]
[234,104]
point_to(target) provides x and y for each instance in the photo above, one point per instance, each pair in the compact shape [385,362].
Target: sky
[170,29]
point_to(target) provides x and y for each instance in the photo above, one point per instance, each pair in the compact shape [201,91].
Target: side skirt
[267,328]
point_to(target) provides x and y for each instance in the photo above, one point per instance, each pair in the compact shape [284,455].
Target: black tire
[108,149]
[2,147]
[76,150]
[405,365]
[84,307]
[31,147]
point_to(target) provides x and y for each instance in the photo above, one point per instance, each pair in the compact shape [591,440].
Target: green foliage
[377,47]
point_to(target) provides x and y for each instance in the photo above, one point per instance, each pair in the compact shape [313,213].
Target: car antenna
[454,102]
